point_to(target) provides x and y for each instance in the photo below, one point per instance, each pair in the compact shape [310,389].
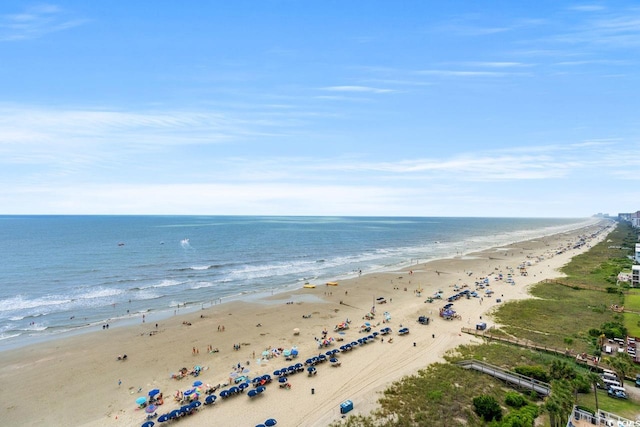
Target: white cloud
[357,89]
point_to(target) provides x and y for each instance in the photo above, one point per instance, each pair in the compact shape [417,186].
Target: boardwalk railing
[512,378]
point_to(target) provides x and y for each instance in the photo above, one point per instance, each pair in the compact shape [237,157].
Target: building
[581,418]
[635,276]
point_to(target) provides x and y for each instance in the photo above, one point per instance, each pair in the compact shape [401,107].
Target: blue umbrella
[283,379]
[190,391]
[224,393]
[148,424]
[162,418]
[243,385]
[256,380]
[154,392]
[294,351]
[174,414]
[234,390]
[210,399]
[333,360]
[261,389]
[309,361]
[260,425]
[276,373]
[195,404]
[270,422]
[185,408]
[141,400]
[197,383]
[252,393]
[328,353]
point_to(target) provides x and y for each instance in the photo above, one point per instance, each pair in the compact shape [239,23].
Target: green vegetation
[487,407]
[560,317]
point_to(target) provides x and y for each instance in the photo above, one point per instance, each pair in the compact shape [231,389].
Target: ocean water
[66,274]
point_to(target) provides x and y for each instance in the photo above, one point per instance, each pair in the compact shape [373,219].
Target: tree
[595,380]
[622,364]
[487,407]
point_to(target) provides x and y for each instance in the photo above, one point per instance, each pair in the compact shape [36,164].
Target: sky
[320,107]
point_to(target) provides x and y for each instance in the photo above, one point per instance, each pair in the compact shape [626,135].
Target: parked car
[617,392]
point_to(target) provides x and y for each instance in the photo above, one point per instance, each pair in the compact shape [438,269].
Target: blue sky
[417,108]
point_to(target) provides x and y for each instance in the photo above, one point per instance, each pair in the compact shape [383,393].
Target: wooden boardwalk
[512,378]
[528,344]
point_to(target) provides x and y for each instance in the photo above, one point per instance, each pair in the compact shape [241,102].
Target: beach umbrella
[276,373]
[197,383]
[162,418]
[252,393]
[283,379]
[224,393]
[141,400]
[154,392]
[286,353]
[309,361]
[256,380]
[195,404]
[266,377]
[189,392]
[210,399]
[270,422]
[243,385]
[294,351]
[185,409]
[150,409]
[175,413]
[260,425]
[261,389]
[333,360]
[329,353]
[148,424]
[234,390]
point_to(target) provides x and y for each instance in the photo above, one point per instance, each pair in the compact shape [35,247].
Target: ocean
[68,274]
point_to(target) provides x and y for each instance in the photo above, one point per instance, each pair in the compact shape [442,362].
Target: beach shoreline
[87,385]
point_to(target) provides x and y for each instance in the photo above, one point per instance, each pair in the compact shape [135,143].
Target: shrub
[487,407]
[536,372]
[515,400]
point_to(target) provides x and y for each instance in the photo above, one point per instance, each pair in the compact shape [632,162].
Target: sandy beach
[78,381]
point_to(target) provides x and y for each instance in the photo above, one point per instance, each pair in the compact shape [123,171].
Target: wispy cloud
[35,22]
[464,73]
[587,8]
[357,89]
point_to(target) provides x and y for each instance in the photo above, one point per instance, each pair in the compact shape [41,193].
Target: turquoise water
[61,274]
